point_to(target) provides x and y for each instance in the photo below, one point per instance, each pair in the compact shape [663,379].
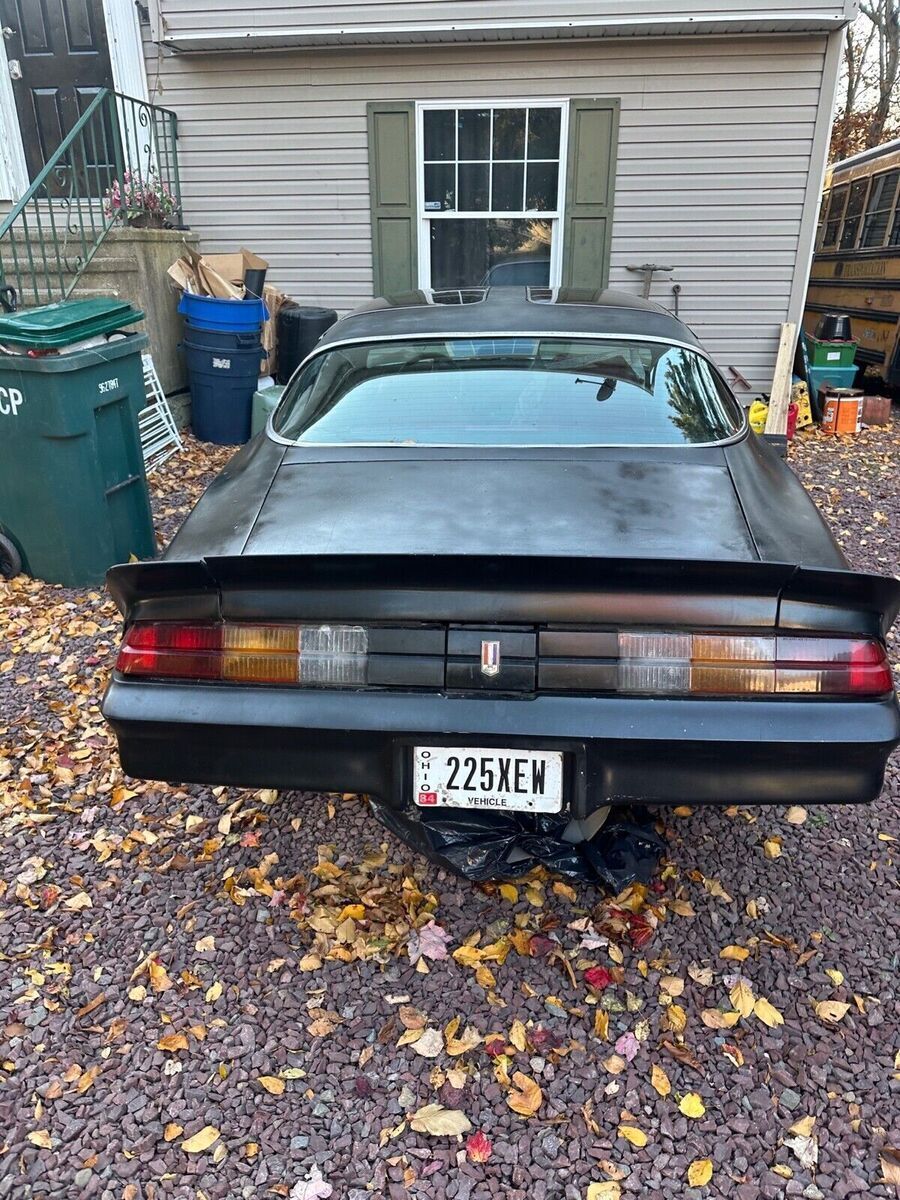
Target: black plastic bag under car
[481,845]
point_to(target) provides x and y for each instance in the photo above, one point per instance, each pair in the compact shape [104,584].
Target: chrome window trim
[462,336]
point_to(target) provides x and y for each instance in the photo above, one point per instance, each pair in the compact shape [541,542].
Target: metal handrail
[53,232]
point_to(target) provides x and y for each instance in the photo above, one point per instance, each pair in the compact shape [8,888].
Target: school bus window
[895,232]
[879,208]
[835,213]
[853,215]
[820,223]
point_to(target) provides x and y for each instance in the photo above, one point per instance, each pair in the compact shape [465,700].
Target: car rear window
[508,391]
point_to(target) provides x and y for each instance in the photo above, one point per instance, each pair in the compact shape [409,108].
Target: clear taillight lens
[723,664]
[311,655]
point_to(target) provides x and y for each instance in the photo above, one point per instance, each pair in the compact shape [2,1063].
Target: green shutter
[392,184]
[590,189]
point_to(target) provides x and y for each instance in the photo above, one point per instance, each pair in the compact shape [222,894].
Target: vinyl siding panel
[713,160]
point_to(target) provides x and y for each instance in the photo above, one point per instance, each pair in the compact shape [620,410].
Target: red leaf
[545,1039]
[478,1147]
[539,945]
[495,1047]
[598,977]
[640,931]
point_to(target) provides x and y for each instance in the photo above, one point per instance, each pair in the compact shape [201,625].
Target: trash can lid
[66,322]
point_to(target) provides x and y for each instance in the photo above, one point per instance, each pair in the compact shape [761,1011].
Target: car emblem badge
[490,658]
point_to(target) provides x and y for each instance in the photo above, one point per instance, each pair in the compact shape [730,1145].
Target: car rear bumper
[618,749]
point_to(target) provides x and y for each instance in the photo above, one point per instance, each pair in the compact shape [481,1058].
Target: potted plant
[142,202]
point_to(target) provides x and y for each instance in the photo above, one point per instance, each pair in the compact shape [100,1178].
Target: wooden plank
[780,398]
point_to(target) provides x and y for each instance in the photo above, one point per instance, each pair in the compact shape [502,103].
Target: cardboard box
[274,302]
[220,275]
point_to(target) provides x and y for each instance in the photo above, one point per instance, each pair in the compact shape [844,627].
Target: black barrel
[834,327]
[297,331]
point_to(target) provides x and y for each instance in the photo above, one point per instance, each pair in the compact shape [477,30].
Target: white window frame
[557,217]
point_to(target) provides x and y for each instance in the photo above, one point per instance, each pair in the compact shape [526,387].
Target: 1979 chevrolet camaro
[508,549]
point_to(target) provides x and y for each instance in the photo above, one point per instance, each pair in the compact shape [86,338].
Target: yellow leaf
[672,985]
[742,998]
[78,901]
[440,1121]
[40,1137]
[734,953]
[783,1170]
[831,1011]
[772,847]
[767,1013]
[172,1042]
[526,1097]
[660,1080]
[205,943]
[632,1134]
[293,1073]
[484,976]
[86,1079]
[193,822]
[273,1085]
[518,1036]
[172,1131]
[608,1190]
[468,1040]
[803,1127]
[214,991]
[691,1105]
[682,908]
[714,1018]
[796,814]
[310,962]
[601,1024]
[615,1064]
[700,1172]
[251,1149]
[675,1018]
[159,978]
[835,976]
[201,1141]
[137,993]
[564,890]
[683,811]
[509,892]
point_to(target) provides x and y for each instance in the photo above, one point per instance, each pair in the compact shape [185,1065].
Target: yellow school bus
[856,268]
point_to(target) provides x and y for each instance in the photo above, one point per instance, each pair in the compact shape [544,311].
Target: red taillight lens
[240,652]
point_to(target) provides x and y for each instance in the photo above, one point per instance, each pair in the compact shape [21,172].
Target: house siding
[714,153]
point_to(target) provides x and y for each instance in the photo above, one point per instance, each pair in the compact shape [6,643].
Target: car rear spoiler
[479,588]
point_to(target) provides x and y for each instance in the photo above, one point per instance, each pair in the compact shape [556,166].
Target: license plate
[479,777]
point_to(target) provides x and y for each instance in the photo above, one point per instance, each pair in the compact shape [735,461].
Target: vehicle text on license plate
[484,777]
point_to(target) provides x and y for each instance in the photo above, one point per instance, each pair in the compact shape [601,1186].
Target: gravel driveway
[225,994]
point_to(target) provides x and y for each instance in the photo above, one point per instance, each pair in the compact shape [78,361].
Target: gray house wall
[716,144]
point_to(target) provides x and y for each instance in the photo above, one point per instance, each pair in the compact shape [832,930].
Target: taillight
[312,655]
[728,665]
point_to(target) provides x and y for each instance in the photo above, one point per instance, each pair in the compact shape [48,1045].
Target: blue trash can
[222,379]
[210,312]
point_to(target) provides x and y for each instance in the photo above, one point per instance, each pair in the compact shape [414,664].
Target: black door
[63,57]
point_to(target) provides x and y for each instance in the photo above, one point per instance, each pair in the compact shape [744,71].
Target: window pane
[878,210]
[854,213]
[474,133]
[541,192]
[835,212]
[438,128]
[509,133]
[543,133]
[473,187]
[507,192]
[895,231]
[511,391]
[440,186]
[494,253]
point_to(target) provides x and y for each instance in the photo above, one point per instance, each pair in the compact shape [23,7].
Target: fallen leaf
[428,942]
[430,1044]
[615,1064]
[714,1018]
[675,1018]
[87,1079]
[890,1165]
[682,908]
[742,998]
[40,1137]
[272,1084]
[701,975]
[159,978]
[767,1013]
[806,1149]
[796,814]
[172,1131]
[632,1134]
[172,1042]
[214,991]
[526,1097]
[671,985]
[734,953]
[205,943]
[601,1024]
[511,893]
[607,1190]
[803,1127]
[440,1121]
[478,1147]
[314,1187]
[467,1040]
[518,1036]
[700,1172]
[691,1105]
[598,978]
[628,1046]
[772,847]
[831,1011]
[88,1008]
[660,1080]
[79,901]
[836,977]
[200,1142]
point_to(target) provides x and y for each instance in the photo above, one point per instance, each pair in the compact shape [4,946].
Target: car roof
[475,311]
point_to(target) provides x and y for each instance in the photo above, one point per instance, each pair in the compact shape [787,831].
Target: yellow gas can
[759,410]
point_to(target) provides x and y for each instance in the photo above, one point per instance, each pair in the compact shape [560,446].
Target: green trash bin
[73,492]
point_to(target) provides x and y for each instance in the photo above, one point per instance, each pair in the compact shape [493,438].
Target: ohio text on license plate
[479,777]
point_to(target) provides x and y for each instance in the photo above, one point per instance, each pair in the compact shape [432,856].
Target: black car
[508,549]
